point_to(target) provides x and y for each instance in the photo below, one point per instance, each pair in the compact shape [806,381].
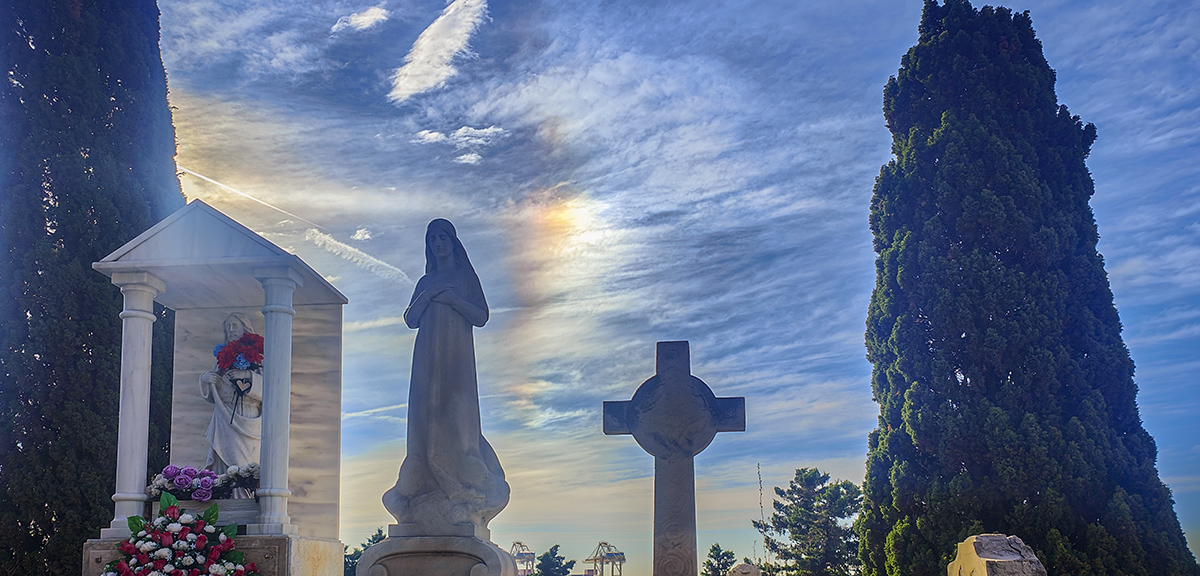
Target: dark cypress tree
[1007,395]
[87,164]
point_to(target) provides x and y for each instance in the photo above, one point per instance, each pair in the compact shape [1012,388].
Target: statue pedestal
[275,555]
[434,556]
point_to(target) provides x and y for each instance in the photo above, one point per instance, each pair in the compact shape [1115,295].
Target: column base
[435,556]
[272,529]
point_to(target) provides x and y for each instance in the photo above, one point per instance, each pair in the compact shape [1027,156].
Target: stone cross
[674,416]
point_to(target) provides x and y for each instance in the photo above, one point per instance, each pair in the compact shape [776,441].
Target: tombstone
[674,416]
[744,569]
[995,555]
[204,266]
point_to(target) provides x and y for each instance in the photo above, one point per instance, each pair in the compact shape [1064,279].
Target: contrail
[245,195]
[348,252]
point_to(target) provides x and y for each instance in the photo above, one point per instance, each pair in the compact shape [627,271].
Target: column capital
[268,273]
[124,279]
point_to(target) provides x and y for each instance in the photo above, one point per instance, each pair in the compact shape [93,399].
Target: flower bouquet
[190,483]
[177,543]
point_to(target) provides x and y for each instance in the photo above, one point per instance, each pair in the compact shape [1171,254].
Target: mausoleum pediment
[208,260]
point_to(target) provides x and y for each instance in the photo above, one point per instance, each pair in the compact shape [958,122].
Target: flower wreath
[176,543]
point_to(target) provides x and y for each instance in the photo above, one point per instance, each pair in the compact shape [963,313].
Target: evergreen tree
[551,564]
[809,531]
[1007,395]
[718,562]
[350,563]
[87,164]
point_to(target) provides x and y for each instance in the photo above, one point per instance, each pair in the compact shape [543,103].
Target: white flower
[188,561]
[210,529]
[187,519]
[223,537]
[141,534]
[229,565]
[164,553]
[191,537]
[180,545]
[168,568]
[174,527]
[217,569]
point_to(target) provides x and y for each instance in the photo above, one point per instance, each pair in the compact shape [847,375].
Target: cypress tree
[87,164]
[1007,399]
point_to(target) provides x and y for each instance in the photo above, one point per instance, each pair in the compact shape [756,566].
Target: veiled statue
[451,478]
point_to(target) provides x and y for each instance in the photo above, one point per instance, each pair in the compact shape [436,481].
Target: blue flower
[241,363]
[217,349]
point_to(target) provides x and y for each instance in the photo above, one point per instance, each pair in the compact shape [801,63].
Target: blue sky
[628,172]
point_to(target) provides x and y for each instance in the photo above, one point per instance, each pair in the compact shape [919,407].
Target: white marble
[451,481]
[436,556]
[314,446]
[674,416]
[133,425]
[234,432]
[202,264]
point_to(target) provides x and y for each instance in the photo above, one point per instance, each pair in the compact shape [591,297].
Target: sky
[625,172]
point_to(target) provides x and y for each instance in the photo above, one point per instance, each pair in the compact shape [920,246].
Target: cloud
[471,158]
[361,234]
[348,252]
[361,20]
[427,65]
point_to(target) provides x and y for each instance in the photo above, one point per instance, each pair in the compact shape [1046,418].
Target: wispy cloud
[428,64]
[348,252]
[361,20]
[469,158]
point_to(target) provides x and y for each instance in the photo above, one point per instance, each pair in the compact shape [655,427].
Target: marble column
[133,426]
[279,284]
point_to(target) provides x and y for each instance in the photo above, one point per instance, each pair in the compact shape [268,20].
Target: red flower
[127,547]
[158,564]
[251,567]
[143,559]
[201,541]
[172,512]
[166,540]
[194,572]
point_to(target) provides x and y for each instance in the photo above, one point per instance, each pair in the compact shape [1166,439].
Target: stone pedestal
[995,555]
[275,555]
[435,556]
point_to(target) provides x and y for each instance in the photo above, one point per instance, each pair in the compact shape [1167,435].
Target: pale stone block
[744,569]
[435,556]
[995,555]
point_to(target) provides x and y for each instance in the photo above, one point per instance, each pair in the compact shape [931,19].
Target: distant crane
[606,553]
[524,557]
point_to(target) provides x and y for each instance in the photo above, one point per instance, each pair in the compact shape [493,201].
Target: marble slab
[315,442]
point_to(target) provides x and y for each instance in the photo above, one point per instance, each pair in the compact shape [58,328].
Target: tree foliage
[813,515]
[718,562]
[86,163]
[352,556]
[551,564]
[1007,399]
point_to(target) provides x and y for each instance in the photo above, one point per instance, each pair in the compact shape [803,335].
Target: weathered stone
[674,416]
[744,570]
[995,555]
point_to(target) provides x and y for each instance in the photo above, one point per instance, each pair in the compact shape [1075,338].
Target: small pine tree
[551,564]
[809,531]
[350,562]
[718,562]
[1007,400]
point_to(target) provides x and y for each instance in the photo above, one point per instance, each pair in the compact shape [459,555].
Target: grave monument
[674,416]
[209,269]
[450,484]
[995,555]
